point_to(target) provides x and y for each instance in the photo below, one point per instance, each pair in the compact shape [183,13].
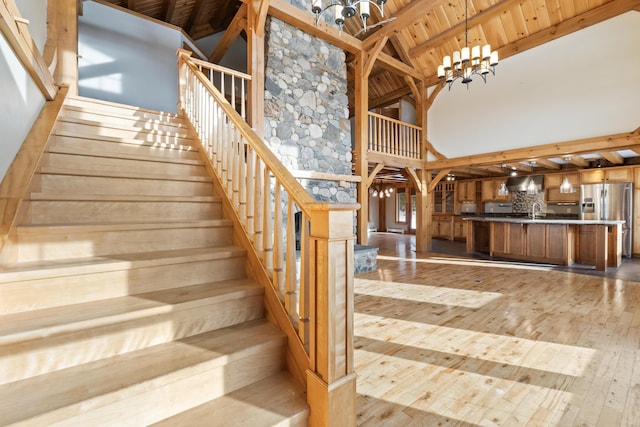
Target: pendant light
[531,188]
[503,191]
[566,186]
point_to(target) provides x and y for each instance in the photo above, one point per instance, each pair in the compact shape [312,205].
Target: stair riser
[178,392]
[58,291]
[96,147]
[79,245]
[59,352]
[119,121]
[92,106]
[127,186]
[129,133]
[66,161]
[73,212]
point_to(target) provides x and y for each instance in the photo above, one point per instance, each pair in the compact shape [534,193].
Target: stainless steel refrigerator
[610,201]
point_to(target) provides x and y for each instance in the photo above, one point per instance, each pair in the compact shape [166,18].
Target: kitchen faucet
[533,209]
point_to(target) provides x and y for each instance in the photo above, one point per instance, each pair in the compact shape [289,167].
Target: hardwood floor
[449,340]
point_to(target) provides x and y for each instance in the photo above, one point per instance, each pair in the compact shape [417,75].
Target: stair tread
[121,198]
[39,229]
[110,154]
[89,265]
[29,325]
[124,375]
[268,402]
[180,130]
[132,141]
[70,99]
[119,114]
[117,174]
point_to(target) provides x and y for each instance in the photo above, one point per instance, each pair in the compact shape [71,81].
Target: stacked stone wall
[306,108]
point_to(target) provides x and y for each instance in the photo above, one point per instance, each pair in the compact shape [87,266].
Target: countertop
[525,220]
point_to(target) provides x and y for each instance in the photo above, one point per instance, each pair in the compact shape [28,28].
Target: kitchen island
[551,241]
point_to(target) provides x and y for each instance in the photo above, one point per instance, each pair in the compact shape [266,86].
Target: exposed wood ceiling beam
[548,164]
[238,23]
[478,19]
[398,67]
[129,4]
[389,98]
[437,179]
[619,141]
[491,169]
[220,19]
[613,157]
[195,16]
[578,22]
[410,13]
[578,161]
[519,167]
[168,7]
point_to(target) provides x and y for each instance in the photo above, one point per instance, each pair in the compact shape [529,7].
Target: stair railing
[304,248]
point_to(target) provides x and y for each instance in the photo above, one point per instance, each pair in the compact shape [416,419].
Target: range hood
[521,183]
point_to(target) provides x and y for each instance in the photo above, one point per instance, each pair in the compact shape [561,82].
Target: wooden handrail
[300,250]
[15,30]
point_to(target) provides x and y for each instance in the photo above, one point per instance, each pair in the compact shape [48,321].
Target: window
[401,206]
[413,211]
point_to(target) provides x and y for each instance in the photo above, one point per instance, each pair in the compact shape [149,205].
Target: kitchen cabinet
[443,197]
[552,183]
[459,228]
[624,174]
[490,190]
[442,226]
[596,176]
[591,176]
[467,191]
[507,238]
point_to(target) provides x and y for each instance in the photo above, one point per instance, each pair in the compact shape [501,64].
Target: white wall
[127,59]
[236,56]
[582,85]
[20,99]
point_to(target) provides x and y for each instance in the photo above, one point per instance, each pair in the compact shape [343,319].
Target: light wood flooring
[450,340]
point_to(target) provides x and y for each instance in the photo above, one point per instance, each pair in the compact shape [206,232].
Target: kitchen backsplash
[521,202]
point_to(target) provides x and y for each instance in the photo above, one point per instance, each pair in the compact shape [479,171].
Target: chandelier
[381,191]
[347,9]
[468,62]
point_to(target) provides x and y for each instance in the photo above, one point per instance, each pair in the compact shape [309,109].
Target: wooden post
[255,64]
[62,17]
[361,141]
[424,212]
[331,381]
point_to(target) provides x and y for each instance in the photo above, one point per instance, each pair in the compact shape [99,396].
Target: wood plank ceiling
[420,33]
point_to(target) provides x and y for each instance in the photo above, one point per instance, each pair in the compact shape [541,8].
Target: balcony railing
[394,137]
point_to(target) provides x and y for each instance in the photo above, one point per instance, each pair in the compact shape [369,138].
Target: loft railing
[394,137]
[304,248]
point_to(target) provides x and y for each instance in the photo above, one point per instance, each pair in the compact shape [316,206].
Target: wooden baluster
[243,104]
[372,140]
[267,227]
[304,307]
[235,166]
[251,193]
[278,239]
[259,205]
[291,293]
[242,181]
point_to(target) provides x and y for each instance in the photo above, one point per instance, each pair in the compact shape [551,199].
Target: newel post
[331,380]
[183,56]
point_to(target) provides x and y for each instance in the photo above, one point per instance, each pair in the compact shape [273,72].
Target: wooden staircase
[129,303]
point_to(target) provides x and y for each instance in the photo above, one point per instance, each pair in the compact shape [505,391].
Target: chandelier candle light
[347,9]
[468,62]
